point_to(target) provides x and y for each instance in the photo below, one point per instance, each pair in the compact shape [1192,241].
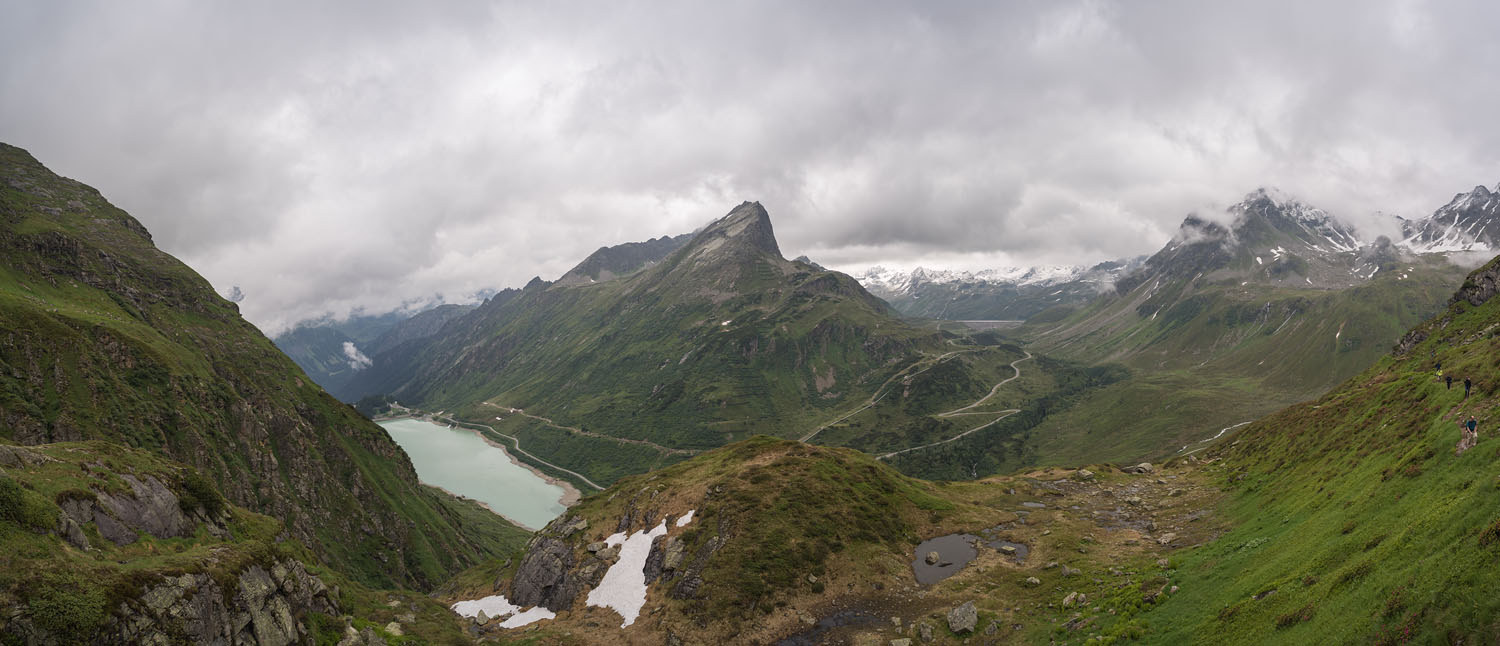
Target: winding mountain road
[966,410]
[1003,414]
[1013,366]
[883,390]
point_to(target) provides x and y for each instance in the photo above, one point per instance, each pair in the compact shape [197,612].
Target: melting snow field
[624,585]
[498,606]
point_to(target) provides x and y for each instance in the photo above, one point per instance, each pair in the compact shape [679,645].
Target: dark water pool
[815,635]
[954,552]
[1021,550]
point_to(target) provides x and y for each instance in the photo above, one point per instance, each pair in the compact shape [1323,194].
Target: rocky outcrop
[545,577]
[150,507]
[1480,286]
[262,605]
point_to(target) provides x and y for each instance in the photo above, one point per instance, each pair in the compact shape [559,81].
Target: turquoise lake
[461,462]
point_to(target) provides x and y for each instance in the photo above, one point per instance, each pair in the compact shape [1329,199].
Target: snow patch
[686,518]
[498,606]
[624,585]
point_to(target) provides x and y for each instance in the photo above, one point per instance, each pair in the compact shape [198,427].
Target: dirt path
[579,431]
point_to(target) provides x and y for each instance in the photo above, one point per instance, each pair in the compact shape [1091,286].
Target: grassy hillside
[106,337]
[1355,520]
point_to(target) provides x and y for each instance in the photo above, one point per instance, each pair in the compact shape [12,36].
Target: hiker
[1450,381]
[1467,385]
[1468,435]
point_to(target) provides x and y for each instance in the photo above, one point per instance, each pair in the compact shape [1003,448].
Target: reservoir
[460,461]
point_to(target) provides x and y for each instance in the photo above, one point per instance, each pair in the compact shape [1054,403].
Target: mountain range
[1010,293]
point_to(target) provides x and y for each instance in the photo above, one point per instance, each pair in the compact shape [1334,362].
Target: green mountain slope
[1230,322]
[1357,523]
[106,337]
[721,339]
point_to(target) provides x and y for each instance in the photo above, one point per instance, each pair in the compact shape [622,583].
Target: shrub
[1490,534]
[23,507]
[198,492]
[1295,617]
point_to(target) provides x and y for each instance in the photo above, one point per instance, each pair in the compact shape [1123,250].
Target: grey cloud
[330,158]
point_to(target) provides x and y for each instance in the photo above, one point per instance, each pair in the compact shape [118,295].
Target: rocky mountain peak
[747,225]
[1468,222]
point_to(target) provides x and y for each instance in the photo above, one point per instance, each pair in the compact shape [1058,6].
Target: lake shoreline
[571,495]
[484,504]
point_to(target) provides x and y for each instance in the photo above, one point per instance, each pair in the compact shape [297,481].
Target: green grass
[1356,512]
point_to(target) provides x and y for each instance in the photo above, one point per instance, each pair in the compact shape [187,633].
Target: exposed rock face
[1480,286]
[151,507]
[543,578]
[264,606]
[17,456]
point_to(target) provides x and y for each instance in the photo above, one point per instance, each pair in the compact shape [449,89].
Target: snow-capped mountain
[1004,293]
[1470,222]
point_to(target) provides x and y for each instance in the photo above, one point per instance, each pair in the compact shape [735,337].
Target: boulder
[1142,468]
[924,633]
[1085,475]
[1074,599]
[963,618]
[1167,538]
[932,558]
[1031,580]
[596,546]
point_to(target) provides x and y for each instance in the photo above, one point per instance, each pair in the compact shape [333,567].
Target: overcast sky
[326,157]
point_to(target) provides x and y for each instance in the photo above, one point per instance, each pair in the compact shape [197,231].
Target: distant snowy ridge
[1469,222]
[900,281]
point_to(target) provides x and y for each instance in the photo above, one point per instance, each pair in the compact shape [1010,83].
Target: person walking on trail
[1468,435]
[1467,385]
[1449,380]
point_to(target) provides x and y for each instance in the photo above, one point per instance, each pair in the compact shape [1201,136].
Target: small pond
[954,552]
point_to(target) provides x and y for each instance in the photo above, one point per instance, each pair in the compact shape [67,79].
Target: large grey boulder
[963,618]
